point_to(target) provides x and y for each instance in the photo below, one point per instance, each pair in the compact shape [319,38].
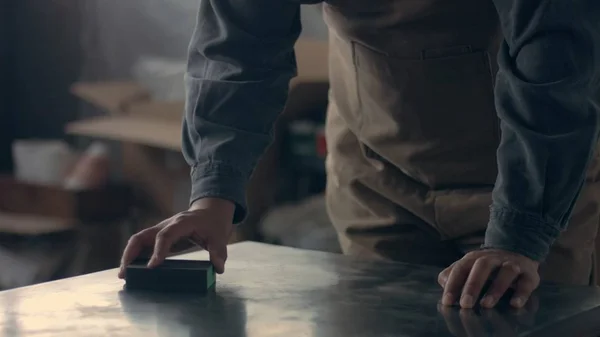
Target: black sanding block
[171,276]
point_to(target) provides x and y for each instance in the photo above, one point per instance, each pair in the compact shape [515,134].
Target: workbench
[276,291]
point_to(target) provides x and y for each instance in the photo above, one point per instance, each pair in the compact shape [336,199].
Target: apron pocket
[433,115]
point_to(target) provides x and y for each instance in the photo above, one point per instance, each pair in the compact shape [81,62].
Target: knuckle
[531,277]
[487,261]
[136,238]
[460,268]
[179,217]
[512,267]
[441,278]
[447,271]
[184,218]
[535,280]
[164,234]
[481,265]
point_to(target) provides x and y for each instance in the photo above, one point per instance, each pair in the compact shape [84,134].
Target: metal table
[276,291]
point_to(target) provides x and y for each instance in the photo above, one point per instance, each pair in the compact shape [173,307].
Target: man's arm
[241,60]
[544,92]
[549,122]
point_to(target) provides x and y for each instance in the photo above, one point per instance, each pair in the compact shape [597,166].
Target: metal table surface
[276,291]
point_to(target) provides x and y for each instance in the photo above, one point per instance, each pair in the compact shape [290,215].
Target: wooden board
[23,224]
[135,129]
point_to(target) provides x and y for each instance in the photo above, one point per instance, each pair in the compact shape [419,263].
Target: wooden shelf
[160,133]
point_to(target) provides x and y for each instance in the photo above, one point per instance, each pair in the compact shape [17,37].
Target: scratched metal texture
[275,291]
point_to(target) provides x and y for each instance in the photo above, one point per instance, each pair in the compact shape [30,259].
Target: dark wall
[47,61]
[6,125]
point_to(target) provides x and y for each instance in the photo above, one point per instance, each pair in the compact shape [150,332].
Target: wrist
[520,233]
[219,206]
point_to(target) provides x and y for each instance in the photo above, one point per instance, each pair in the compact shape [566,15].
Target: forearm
[549,123]
[241,60]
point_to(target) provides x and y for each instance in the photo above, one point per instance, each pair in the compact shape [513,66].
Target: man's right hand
[208,223]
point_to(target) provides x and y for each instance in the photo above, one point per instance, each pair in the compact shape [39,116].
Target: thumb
[218,256]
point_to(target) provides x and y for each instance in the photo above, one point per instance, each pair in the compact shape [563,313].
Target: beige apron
[412,135]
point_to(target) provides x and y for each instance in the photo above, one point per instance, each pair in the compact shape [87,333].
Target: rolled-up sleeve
[240,62]
[545,97]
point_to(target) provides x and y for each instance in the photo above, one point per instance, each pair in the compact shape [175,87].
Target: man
[418,147]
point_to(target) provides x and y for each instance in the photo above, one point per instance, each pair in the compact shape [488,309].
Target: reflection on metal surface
[273,291]
[485,322]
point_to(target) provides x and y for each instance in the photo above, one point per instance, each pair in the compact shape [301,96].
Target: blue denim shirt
[241,60]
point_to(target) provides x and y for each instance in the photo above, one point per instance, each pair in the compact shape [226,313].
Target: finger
[456,279]
[508,273]
[134,247]
[218,255]
[525,286]
[443,275]
[166,238]
[480,273]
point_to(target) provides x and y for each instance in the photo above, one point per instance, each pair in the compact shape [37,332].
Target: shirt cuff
[519,232]
[218,180]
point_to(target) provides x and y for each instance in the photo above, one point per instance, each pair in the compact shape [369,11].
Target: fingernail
[488,301]
[448,299]
[466,301]
[220,268]
[517,302]
[151,262]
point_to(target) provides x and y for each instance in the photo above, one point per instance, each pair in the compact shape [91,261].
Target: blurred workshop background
[90,121]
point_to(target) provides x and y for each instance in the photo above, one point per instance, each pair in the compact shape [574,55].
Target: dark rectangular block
[171,276]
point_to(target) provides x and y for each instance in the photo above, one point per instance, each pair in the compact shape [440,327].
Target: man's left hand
[465,278]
